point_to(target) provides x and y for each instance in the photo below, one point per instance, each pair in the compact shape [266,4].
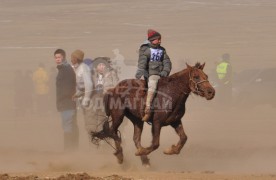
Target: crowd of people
[81,84]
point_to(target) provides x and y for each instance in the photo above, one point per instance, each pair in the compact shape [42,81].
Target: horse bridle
[197,90]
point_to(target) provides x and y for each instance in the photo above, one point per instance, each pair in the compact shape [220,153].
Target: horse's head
[198,82]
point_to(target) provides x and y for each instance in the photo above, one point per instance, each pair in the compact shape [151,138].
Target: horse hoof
[171,150]
[119,156]
[168,152]
[120,161]
[146,165]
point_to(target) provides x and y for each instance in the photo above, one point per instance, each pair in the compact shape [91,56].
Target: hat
[152,35]
[78,54]
[226,57]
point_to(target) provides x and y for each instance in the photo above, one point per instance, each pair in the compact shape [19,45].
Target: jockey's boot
[149,100]
[147,114]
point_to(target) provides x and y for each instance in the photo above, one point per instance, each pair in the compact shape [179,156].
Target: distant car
[254,87]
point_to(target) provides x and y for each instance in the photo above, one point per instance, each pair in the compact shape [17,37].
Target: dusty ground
[235,143]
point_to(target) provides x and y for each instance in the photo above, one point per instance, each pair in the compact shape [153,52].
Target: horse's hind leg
[145,160]
[116,122]
[119,150]
[175,149]
[138,128]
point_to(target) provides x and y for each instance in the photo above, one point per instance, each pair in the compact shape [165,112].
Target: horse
[128,97]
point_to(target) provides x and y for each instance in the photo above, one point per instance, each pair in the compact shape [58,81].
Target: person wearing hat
[153,63]
[84,86]
[104,77]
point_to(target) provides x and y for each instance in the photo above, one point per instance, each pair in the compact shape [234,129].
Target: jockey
[153,63]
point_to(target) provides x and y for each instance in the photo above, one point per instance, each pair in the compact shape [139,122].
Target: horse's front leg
[138,129]
[175,149]
[156,128]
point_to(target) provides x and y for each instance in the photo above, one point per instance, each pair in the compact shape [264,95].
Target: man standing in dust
[84,88]
[65,89]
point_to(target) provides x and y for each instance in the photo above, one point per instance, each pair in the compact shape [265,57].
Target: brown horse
[128,99]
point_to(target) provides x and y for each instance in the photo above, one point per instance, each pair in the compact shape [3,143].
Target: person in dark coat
[65,89]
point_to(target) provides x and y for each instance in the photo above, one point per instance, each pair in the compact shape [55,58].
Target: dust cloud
[238,138]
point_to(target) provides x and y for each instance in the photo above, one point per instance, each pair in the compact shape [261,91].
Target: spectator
[65,89]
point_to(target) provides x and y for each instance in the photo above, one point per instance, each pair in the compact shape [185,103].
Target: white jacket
[84,81]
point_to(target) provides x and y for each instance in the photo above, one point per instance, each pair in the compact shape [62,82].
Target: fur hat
[152,35]
[78,54]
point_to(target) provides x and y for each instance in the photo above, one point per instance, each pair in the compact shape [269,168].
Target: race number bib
[156,54]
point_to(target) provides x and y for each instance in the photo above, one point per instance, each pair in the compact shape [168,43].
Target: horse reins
[196,83]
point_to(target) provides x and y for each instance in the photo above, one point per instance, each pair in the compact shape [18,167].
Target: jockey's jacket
[154,59]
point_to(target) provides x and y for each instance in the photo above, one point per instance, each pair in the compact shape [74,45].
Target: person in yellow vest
[41,87]
[224,75]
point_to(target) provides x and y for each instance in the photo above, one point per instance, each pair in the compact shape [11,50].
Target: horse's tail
[106,103]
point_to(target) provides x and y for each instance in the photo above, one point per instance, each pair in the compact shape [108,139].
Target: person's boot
[147,114]
[149,100]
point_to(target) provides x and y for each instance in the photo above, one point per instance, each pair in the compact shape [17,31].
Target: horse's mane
[197,65]
[179,73]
